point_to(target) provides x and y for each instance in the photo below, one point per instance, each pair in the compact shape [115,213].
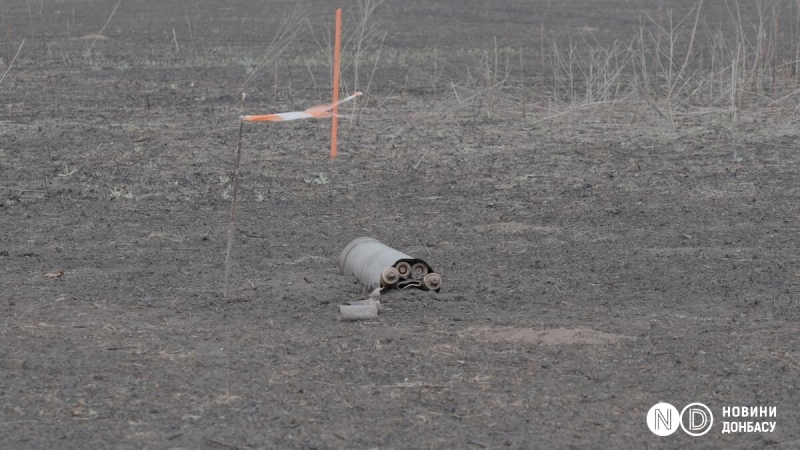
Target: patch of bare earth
[557,336]
[513,227]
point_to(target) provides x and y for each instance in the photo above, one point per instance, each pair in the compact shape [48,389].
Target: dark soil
[589,272]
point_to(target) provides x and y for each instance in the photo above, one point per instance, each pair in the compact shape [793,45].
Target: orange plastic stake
[336,51]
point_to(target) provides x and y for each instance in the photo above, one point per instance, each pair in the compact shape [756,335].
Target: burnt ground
[589,271]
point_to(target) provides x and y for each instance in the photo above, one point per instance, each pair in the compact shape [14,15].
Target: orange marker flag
[315,112]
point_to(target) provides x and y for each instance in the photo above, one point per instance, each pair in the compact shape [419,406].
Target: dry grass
[672,72]
[362,48]
[290,27]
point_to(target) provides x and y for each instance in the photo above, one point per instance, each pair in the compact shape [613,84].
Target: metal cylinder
[378,266]
[403,268]
[366,259]
[419,270]
[432,281]
[389,276]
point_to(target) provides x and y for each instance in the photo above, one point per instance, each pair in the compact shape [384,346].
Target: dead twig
[12,61]
[97,36]
[224,445]
[14,422]
[477,442]
[22,190]
[421,158]
[232,224]
[412,384]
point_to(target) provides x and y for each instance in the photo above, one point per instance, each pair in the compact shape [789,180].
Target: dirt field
[592,268]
